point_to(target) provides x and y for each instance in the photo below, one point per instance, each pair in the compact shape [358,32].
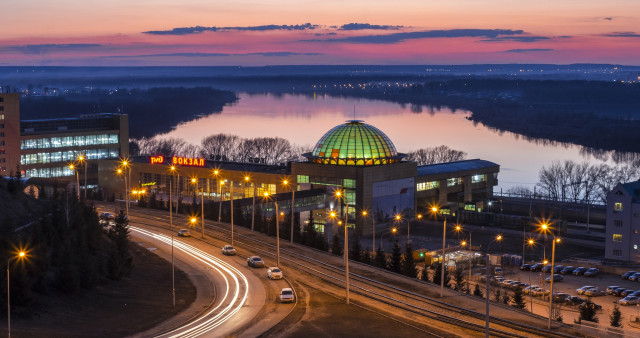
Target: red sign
[187,161]
[156,159]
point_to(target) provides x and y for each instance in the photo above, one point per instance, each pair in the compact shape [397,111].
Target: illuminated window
[618,223]
[348,183]
[617,206]
[421,186]
[1,116]
[452,182]
[478,178]
[303,179]
[617,237]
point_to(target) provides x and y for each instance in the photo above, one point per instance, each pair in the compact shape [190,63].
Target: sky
[326,32]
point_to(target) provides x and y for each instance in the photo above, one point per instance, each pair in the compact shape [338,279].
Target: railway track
[421,305]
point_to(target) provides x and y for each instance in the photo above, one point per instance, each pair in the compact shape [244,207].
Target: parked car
[627,292]
[525,267]
[255,261]
[579,271]
[627,274]
[274,273]
[595,292]
[546,268]
[629,300]
[537,267]
[611,288]
[228,250]
[581,290]
[574,300]
[560,297]
[635,293]
[618,292]
[591,272]
[107,216]
[597,307]
[634,277]
[540,292]
[556,278]
[184,233]
[558,268]
[567,270]
[498,271]
[287,296]
[530,289]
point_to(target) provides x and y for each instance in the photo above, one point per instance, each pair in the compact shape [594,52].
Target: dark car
[627,274]
[611,288]
[567,270]
[579,271]
[596,306]
[574,300]
[558,268]
[525,267]
[556,278]
[546,268]
[107,216]
[591,272]
[634,277]
[255,261]
[627,292]
[537,267]
[560,297]
[618,292]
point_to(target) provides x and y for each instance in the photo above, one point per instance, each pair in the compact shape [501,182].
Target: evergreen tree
[588,311]
[395,264]
[425,274]
[458,279]
[336,246]
[366,257]
[437,273]
[120,260]
[437,279]
[506,298]
[142,201]
[615,319]
[408,264]
[381,258]
[518,298]
[476,291]
[355,249]
[153,202]
[497,295]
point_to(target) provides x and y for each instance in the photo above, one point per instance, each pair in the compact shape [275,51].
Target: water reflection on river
[303,120]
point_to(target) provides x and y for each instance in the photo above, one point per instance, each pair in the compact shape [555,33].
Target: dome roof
[354,143]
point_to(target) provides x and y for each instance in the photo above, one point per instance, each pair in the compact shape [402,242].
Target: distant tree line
[433,155]
[225,147]
[67,248]
[573,181]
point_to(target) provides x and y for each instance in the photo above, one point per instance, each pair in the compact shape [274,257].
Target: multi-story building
[45,148]
[622,241]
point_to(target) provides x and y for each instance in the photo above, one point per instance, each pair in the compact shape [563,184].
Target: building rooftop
[64,125]
[223,165]
[442,168]
[633,189]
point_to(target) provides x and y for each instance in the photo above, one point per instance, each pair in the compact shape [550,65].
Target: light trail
[235,295]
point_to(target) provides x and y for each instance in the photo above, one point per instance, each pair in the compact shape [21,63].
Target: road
[232,298]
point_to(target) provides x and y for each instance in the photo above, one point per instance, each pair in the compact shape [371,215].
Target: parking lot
[570,284]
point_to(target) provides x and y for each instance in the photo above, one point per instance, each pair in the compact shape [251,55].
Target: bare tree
[222,147]
[433,155]
[167,147]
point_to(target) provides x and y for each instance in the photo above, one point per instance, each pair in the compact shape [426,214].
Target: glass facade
[354,143]
[67,156]
[422,186]
[68,141]
[50,172]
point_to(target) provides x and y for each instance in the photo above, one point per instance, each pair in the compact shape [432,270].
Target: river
[303,120]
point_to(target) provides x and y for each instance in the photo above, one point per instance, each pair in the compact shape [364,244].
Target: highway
[232,298]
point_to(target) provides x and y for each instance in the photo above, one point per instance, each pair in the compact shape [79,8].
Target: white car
[629,300]
[274,273]
[228,250]
[287,296]
[184,233]
[594,292]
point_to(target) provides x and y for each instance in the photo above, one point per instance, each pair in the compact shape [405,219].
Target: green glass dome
[354,143]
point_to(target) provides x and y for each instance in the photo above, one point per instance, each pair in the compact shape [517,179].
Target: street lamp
[341,195]
[458,229]
[277,215]
[82,160]
[172,170]
[20,255]
[72,167]
[286,183]
[119,171]
[444,237]
[195,181]
[545,227]
[488,273]
[253,203]
[373,230]
[216,174]
[125,164]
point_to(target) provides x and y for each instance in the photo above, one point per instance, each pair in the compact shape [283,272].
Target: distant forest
[151,111]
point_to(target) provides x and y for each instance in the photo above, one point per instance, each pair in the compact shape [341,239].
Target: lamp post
[444,238]
[458,229]
[373,230]
[119,171]
[20,255]
[253,205]
[341,195]
[72,167]
[221,183]
[195,181]
[531,243]
[488,273]
[277,214]
[545,227]
[216,174]
[286,183]
[82,160]
[172,169]
[125,164]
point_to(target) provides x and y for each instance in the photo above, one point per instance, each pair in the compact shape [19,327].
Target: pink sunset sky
[287,32]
